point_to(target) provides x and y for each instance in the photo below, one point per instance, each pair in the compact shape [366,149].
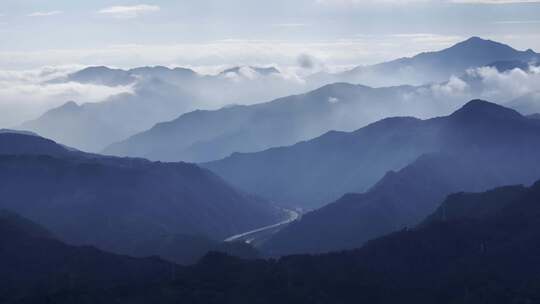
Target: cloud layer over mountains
[433,83]
[25,95]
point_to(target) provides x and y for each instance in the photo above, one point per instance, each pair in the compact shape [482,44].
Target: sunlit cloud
[129,12]
[44,14]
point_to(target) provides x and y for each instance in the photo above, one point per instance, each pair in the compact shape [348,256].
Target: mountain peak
[477,41]
[100,68]
[68,107]
[70,104]
[478,108]
[482,47]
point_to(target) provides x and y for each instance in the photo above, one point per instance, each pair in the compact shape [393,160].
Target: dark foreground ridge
[475,248]
[128,206]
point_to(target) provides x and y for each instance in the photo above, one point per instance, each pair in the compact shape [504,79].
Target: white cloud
[455,87]
[24,95]
[127,12]
[487,83]
[333,99]
[507,85]
[44,14]
[244,73]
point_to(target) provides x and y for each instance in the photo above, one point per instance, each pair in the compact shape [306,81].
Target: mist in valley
[291,151]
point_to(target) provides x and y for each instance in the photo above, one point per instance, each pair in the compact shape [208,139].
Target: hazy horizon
[210,34]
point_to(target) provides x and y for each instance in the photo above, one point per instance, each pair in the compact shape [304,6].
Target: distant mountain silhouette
[480,146]
[316,172]
[260,70]
[504,66]
[161,94]
[121,204]
[92,126]
[202,136]
[438,66]
[484,250]
[164,73]
[157,94]
[100,75]
[313,173]
[209,135]
[103,75]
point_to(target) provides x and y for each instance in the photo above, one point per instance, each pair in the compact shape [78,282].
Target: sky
[210,34]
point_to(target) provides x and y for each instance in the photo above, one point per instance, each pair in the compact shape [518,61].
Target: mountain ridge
[475,155]
[119,204]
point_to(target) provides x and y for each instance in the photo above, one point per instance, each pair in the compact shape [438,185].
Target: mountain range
[127,206]
[395,190]
[475,248]
[154,94]
[160,94]
[202,136]
[436,66]
[480,146]
[312,173]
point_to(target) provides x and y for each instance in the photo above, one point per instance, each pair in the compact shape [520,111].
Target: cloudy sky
[206,33]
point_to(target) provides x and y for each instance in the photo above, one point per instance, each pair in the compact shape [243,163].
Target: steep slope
[313,173]
[482,146]
[121,204]
[437,66]
[491,257]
